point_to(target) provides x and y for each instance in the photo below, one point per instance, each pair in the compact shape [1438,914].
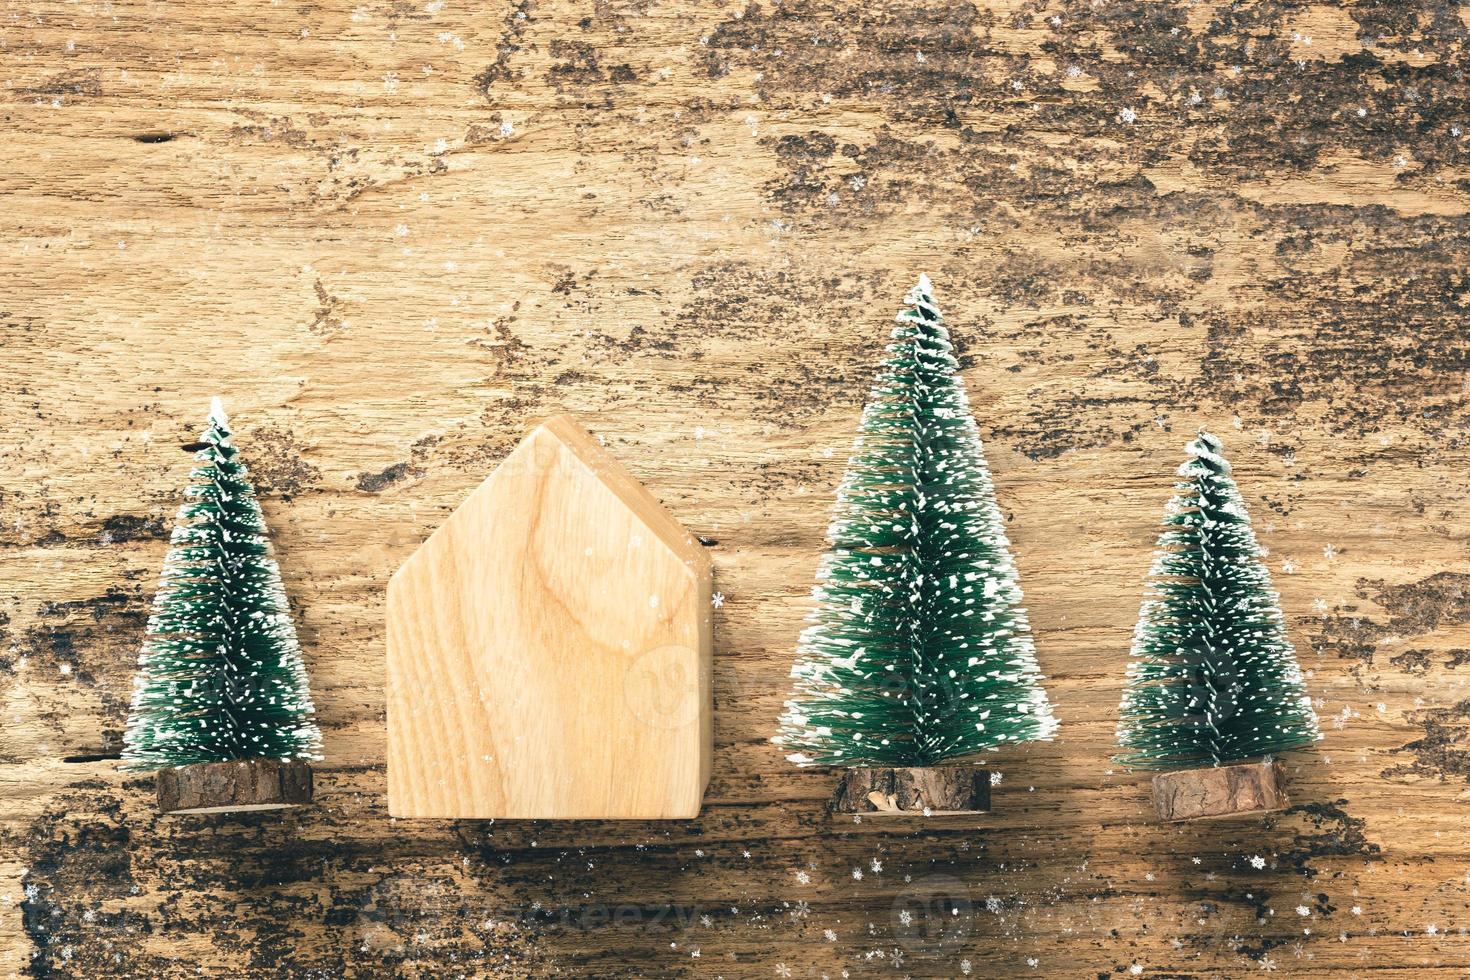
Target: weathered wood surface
[244,785]
[927,790]
[392,233]
[1224,791]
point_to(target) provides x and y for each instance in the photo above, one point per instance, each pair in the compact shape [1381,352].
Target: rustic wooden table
[393,234]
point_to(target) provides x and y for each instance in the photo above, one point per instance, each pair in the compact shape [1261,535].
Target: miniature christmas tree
[919,650]
[1214,678]
[221,677]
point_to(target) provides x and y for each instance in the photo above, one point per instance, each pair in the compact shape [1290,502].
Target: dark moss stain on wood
[1412,661]
[121,528]
[1322,830]
[277,462]
[79,861]
[517,19]
[1443,752]
[328,319]
[1415,608]
[383,479]
[262,881]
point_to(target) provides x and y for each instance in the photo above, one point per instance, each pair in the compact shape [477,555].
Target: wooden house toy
[549,648]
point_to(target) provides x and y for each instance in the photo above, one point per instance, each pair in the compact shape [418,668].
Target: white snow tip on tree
[925,286]
[217,413]
[1208,448]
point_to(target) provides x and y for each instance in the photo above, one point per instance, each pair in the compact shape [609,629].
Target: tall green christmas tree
[220,675]
[1214,677]
[919,649]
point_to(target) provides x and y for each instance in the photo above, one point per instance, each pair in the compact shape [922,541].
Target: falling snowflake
[1127,116]
[857,874]
[717,600]
[782,970]
[1328,552]
[1258,862]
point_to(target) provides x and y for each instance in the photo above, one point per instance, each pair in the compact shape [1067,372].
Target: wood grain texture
[1224,791]
[549,648]
[393,234]
[244,785]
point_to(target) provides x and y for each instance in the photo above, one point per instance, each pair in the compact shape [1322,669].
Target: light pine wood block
[549,648]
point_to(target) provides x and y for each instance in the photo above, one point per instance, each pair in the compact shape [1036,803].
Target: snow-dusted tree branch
[918,649]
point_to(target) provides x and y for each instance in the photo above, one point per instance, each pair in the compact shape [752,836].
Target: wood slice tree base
[1220,791]
[932,790]
[229,787]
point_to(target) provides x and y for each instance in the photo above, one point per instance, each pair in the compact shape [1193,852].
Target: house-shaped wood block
[549,648]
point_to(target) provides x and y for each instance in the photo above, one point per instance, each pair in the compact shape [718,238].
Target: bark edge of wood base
[932,790]
[1220,791]
[240,785]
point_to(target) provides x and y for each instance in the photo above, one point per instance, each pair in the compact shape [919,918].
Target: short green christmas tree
[919,649]
[1214,677]
[220,675]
